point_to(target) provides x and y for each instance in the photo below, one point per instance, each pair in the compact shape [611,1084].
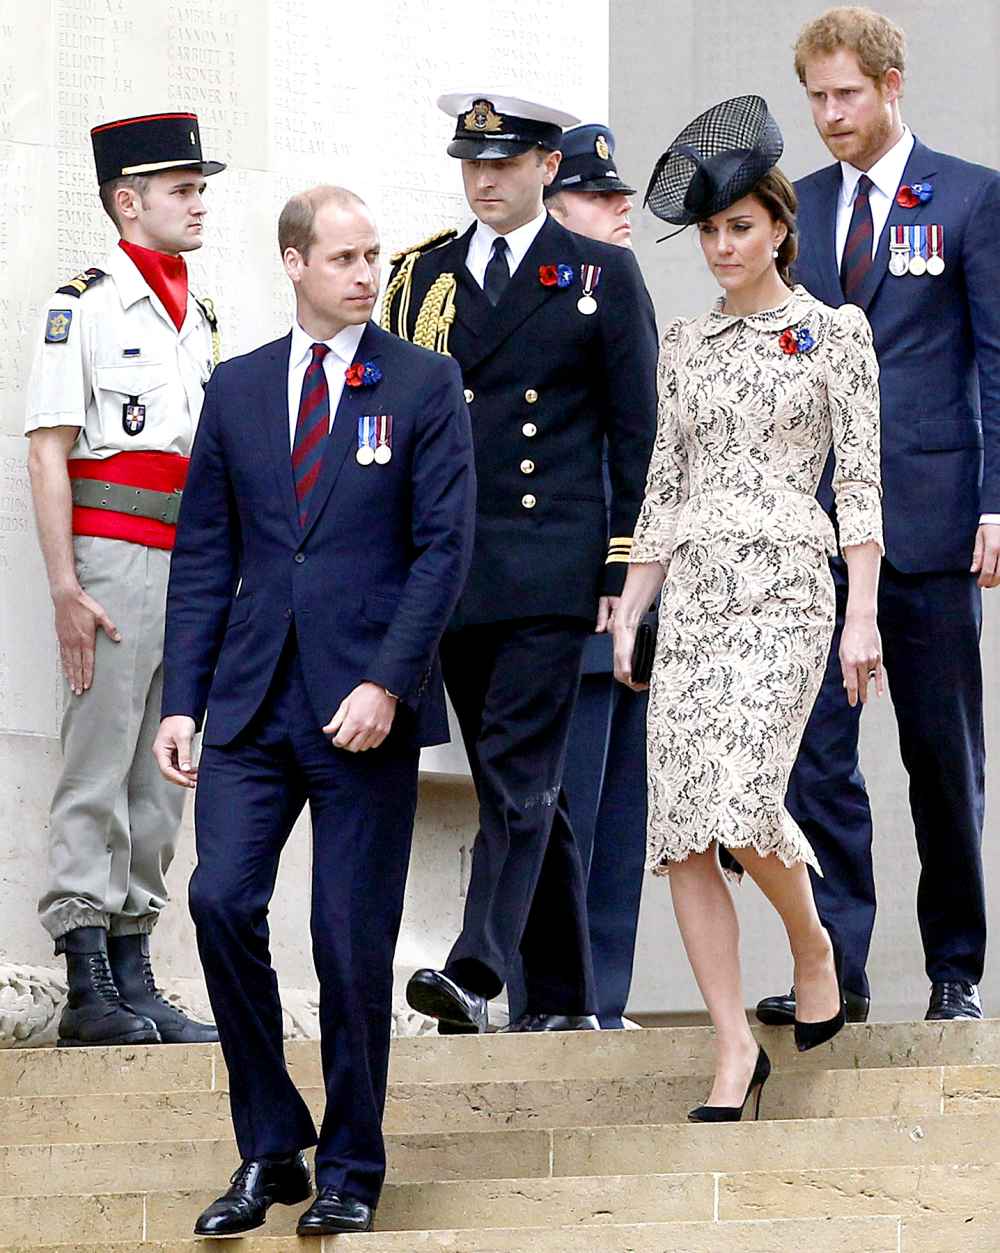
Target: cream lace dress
[744,429]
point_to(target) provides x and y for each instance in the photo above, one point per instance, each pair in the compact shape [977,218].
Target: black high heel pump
[733,1113]
[809,1035]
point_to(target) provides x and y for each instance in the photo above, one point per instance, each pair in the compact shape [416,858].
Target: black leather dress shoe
[953,1000]
[256,1186]
[432,993]
[333,1212]
[552,1022]
[779,1011]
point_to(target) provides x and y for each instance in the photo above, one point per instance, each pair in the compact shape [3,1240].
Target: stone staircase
[887,1140]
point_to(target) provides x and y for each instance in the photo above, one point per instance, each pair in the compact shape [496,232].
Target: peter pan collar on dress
[798,305]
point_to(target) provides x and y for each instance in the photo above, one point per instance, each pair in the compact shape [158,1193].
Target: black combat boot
[133,974]
[95,1013]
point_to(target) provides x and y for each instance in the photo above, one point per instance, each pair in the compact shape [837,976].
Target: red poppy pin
[912,194]
[555,275]
[362,374]
[794,342]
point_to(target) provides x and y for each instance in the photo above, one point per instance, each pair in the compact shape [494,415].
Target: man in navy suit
[910,235]
[324,537]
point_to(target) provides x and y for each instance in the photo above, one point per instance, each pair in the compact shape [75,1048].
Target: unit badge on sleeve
[57,326]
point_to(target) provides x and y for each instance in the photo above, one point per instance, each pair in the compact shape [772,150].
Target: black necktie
[857,258]
[497,273]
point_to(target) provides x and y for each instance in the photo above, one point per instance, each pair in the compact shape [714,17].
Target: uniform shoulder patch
[425,245]
[77,286]
[57,326]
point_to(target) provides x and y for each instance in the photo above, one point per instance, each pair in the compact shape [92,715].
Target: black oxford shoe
[432,993]
[256,1186]
[552,1022]
[334,1212]
[953,1000]
[779,1011]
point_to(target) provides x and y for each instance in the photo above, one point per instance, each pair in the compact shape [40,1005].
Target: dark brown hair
[778,197]
[139,183]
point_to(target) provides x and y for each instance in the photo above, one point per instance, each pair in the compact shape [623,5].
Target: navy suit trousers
[250,792]
[930,626]
[605,785]
[513,685]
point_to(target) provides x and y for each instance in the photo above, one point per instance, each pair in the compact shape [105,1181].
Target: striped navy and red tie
[311,430]
[857,258]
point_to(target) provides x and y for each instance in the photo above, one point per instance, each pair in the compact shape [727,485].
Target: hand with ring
[861,658]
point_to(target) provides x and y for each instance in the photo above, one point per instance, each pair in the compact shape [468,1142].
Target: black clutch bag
[642,651]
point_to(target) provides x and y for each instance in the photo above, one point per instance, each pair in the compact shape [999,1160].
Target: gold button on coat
[470,395]
[527,467]
[528,501]
[529,429]
[531,395]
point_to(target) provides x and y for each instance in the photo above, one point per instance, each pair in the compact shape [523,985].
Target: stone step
[825,1144]
[868,1235]
[676,1051]
[916,1091]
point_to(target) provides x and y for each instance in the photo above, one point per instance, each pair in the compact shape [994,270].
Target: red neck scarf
[166,275]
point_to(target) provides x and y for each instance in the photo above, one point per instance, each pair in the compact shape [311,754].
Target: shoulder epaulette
[77,286]
[207,305]
[425,245]
[429,331]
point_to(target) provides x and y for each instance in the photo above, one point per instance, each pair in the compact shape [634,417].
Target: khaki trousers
[114,819]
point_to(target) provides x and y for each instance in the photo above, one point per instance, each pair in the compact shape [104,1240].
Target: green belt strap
[141,502]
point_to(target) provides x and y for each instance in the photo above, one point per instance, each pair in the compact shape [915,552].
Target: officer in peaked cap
[556,339]
[588,195]
[114,396]
[605,775]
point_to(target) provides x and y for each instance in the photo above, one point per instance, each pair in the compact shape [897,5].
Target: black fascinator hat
[715,161]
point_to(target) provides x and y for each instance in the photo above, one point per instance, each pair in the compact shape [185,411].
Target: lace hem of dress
[790,848]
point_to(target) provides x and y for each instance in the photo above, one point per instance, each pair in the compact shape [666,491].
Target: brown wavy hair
[879,44]
[777,195]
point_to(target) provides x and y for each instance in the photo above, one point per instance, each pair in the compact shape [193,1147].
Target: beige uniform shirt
[119,350]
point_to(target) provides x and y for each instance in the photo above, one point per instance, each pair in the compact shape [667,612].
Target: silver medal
[898,263]
[365,455]
[383,454]
[935,265]
[917,266]
[587,305]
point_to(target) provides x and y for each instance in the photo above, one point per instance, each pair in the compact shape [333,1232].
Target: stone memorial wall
[289,93]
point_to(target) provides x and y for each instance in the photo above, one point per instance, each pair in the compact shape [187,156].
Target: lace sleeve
[852,391]
[667,480]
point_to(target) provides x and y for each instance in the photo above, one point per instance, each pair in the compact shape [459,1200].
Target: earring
[774,254]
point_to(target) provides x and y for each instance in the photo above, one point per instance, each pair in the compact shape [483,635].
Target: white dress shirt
[343,348]
[886,175]
[518,243]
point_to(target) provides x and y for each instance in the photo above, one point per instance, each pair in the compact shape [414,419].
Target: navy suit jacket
[371,580]
[938,347]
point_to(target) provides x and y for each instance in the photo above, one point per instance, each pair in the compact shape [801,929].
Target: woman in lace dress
[753,394]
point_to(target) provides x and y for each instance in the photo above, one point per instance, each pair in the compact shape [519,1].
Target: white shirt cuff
[990,519]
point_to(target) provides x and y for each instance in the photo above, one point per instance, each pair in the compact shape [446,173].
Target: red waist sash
[155,471]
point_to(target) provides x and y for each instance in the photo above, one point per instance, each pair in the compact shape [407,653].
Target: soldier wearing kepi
[556,339]
[605,775]
[112,403]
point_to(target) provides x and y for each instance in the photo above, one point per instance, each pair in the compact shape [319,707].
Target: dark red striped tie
[857,259]
[311,430]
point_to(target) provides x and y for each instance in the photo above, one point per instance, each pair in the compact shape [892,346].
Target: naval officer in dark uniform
[556,339]
[605,775]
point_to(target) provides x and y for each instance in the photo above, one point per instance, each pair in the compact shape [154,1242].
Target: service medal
[383,439]
[918,265]
[935,244]
[590,276]
[366,441]
[899,252]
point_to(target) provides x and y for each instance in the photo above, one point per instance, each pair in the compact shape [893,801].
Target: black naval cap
[493,125]
[149,145]
[588,162]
